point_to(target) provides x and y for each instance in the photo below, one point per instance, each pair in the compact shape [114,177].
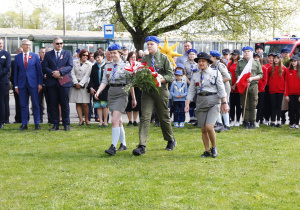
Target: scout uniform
[190,66]
[115,76]
[252,97]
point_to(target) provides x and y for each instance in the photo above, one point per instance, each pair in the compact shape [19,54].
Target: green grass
[257,169]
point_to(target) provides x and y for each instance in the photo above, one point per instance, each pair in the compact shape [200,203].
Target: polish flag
[246,73]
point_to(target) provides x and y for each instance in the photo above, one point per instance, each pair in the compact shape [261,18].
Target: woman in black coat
[95,81]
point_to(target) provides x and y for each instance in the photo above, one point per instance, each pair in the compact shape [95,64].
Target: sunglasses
[85,55]
[59,43]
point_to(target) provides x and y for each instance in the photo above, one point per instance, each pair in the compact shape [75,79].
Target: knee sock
[219,120]
[122,135]
[115,134]
[226,119]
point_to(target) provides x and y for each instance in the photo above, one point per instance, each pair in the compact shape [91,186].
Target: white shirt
[59,52]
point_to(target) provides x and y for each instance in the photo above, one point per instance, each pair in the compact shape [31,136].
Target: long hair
[130,55]
[297,68]
[279,68]
[261,61]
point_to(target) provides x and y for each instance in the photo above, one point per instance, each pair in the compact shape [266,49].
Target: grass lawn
[255,169]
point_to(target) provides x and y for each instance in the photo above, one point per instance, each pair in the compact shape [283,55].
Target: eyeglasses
[59,43]
[85,55]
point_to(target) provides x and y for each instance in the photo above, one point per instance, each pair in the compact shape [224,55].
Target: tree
[155,17]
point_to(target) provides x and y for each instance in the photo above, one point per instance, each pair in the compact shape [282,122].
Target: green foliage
[257,169]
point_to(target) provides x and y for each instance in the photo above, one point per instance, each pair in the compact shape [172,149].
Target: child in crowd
[178,92]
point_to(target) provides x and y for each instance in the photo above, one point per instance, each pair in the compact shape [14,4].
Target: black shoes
[135,123]
[226,128]
[214,152]
[66,128]
[23,127]
[246,125]
[122,147]
[205,154]
[252,126]
[129,123]
[111,151]
[156,124]
[273,125]
[139,151]
[278,126]
[1,126]
[54,128]
[171,145]
[37,127]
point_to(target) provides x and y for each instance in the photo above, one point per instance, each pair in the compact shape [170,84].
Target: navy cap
[124,48]
[215,53]
[78,51]
[179,72]
[271,54]
[225,51]
[247,48]
[235,52]
[257,54]
[285,50]
[192,50]
[203,55]
[180,65]
[295,58]
[114,47]
[277,54]
[152,38]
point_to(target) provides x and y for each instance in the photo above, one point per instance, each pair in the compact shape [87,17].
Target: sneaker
[122,147]
[257,124]
[181,125]
[135,123]
[219,127]
[237,124]
[232,123]
[176,124]
[139,151]
[171,145]
[292,126]
[112,150]
[252,126]
[192,121]
[297,126]
[205,154]
[226,128]
[129,123]
[266,122]
[278,125]
[214,152]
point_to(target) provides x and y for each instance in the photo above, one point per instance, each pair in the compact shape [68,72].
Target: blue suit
[58,94]
[5,62]
[27,81]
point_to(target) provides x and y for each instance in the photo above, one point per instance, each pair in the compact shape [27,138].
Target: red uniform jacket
[233,79]
[276,82]
[292,83]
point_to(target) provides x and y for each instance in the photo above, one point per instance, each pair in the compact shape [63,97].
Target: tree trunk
[138,41]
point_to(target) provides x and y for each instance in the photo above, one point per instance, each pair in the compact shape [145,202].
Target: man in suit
[42,53]
[28,80]
[16,95]
[57,65]
[5,61]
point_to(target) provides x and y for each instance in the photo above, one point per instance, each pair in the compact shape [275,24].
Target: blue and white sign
[109,31]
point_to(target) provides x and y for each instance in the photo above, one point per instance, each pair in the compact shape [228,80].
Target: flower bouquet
[143,77]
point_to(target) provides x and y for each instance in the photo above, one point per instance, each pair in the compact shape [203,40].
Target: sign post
[109,31]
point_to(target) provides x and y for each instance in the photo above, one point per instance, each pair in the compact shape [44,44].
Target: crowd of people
[203,85]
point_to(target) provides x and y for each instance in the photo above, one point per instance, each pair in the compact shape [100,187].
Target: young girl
[292,91]
[235,106]
[115,76]
[178,93]
[261,89]
[276,75]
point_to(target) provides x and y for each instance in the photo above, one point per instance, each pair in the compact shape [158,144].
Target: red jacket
[263,82]
[276,82]
[292,83]
[233,79]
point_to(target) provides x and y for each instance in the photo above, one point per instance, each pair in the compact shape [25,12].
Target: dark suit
[58,94]
[5,62]
[27,81]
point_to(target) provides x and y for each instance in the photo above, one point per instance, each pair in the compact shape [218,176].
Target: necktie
[25,61]
[57,56]
[202,82]
[114,73]
[153,62]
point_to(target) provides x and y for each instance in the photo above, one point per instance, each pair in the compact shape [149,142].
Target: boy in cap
[259,48]
[178,93]
[252,98]
[285,57]
[226,53]
[162,66]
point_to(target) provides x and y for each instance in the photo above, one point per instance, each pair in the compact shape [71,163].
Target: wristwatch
[224,102]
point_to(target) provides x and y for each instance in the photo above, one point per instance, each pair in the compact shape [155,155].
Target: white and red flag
[246,74]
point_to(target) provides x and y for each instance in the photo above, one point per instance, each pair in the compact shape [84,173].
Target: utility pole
[64,18]
[250,28]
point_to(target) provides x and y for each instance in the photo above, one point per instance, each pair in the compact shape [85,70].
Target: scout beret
[285,50]
[179,72]
[203,55]
[124,48]
[225,51]
[295,58]
[235,52]
[215,53]
[180,65]
[247,48]
[192,50]
[78,51]
[114,47]
[152,38]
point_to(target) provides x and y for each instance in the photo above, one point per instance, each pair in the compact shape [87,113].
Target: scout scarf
[179,89]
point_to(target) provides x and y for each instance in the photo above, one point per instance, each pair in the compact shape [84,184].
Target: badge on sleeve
[3,57]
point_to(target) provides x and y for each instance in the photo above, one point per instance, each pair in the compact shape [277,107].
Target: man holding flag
[248,72]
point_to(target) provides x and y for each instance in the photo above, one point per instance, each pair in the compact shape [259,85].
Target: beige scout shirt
[120,75]
[213,83]
[187,67]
